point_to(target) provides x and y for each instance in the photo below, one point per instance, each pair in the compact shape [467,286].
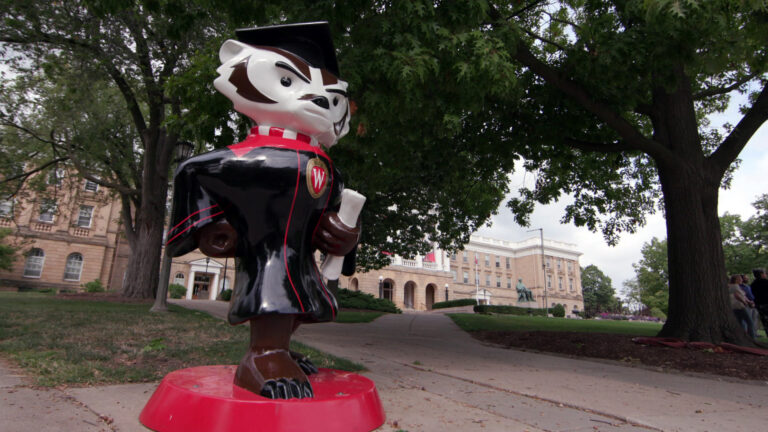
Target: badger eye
[285,81]
[335,101]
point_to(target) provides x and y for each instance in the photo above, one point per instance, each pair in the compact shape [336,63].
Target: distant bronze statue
[275,198]
[523,293]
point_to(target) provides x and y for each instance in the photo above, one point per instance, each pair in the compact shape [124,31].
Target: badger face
[276,88]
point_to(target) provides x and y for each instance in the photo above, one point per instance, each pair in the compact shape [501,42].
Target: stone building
[71,234]
[67,238]
[486,270]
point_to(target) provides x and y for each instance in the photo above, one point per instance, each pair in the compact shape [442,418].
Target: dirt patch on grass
[621,348]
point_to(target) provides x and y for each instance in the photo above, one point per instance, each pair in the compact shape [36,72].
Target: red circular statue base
[205,399]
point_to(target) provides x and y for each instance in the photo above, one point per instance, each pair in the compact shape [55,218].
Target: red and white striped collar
[284,133]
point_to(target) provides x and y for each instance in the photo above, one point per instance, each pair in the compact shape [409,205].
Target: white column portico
[190,285]
[205,266]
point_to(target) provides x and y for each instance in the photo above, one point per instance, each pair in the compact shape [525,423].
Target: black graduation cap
[310,41]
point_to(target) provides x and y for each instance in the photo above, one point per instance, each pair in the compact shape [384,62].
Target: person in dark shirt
[760,291]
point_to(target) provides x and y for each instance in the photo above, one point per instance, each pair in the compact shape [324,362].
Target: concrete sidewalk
[432,376]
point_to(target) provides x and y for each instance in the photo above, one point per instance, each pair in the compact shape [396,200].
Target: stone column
[190,285]
[214,290]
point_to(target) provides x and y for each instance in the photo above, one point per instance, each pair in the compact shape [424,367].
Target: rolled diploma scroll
[351,204]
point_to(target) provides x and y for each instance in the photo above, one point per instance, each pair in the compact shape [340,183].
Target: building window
[464,256]
[84,216]
[56,176]
[453,273]
[487,261]
[453,256]
[179,279]
[570,284]
[33,267]
[549,281]
[508,263]
[487,280]
[498,281]
[549,262]
[387,290]
[466,277]
[560,283]
[74,267]
[498,261]
[509,282]
[559,263]
[47,210]
[570,266]
[6,208]
[91,186]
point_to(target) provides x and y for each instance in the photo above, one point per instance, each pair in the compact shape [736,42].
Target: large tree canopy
[92,90]
[605,100]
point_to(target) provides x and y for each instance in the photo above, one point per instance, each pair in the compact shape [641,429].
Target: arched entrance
[410,289]
[430,295]
[353,285]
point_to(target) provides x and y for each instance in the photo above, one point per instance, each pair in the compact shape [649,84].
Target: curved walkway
[433,376]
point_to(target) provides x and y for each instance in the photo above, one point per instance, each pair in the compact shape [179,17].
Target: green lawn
[350,317]
[89,342]
[476,322]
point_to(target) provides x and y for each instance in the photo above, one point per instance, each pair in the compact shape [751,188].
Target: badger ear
[231,49]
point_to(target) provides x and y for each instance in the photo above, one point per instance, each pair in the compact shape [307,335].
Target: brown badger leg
[267,368]
[303,361]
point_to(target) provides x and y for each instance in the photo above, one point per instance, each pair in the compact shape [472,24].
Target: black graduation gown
[273,192]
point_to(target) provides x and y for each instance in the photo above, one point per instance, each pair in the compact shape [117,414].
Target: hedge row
[454,303]
[509,310]
[359,300]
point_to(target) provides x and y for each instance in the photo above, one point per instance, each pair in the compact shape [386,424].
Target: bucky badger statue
[273,199]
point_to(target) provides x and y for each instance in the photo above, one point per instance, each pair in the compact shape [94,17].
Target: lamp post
[543,269]
[381,286]
[446,292]
[183,150]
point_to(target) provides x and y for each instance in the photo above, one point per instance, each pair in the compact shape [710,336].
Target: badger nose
[321,101]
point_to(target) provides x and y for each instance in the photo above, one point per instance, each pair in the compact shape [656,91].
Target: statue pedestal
[205,399]
[527,304]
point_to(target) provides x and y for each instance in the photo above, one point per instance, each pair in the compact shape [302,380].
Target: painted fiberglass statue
[273,199]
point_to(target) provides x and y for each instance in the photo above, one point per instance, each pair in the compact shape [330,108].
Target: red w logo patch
[317,177]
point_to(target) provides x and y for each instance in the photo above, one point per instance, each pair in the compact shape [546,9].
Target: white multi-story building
[486,270]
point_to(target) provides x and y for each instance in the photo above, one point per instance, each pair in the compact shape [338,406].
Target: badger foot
[273,374]
[304,363]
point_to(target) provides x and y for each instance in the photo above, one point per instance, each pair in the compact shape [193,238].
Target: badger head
[277,88]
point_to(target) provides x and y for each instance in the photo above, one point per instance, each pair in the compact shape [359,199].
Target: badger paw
[287,389]
[304,363]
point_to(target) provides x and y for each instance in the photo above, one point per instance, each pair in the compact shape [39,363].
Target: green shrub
[658,313]
[454,303]
[558,311]
[225,295]
[360,300]
[177,291]
[94,286]
[509,310]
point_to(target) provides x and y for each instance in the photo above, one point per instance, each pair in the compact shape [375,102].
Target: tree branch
[714,91]
[634,139]
[615,147]
[543,39]
[749,124]
[24,175]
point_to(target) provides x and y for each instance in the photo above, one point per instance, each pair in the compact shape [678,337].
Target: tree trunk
[149,218]
[699,306]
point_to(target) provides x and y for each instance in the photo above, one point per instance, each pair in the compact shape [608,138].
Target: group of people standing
[750,301]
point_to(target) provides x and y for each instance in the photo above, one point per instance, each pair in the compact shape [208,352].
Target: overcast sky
[748,183]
